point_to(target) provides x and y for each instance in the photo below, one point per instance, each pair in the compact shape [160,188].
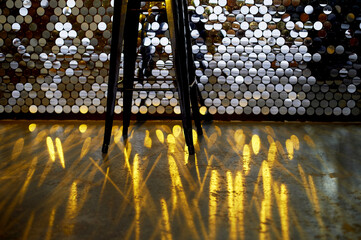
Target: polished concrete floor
[247,181]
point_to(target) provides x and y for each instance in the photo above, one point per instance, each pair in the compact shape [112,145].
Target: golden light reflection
[256,191]
[160,135]
[213,192]
[290,150]
[266,212]
[231,208]
[171,143]
[309,141]
[283,222]
[176,181]
[32,127]
[17,149]
[246,159]
[54,128]
[174,195]
[296,142]
[118,135]
[51,224]
[165,229]
[311,192]
[51,149]
[270,139]
[239,138]
[59,148]
[177,130]
[256,144]
[316,203]
[86,147]
[104,182]
[206,173]
[197,168]
[115,129]
[211,140]
[267,181]
[304,181]
[147,140]
[137,194]
[155,164]
[263,232]
[109,179]
[270,131]
[29,175]
[197,212]
[218,130]
[40,137]
[71,209]
[68,129]
[45,173]
[186,154]
[280,149]
[83,128]
[28,226]
[178,191]
[195,137]
[283,209]
[127,150]
[239,203]
[272,154]
[90,173]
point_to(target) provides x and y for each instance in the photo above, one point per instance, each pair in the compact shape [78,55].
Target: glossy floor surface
[247,181]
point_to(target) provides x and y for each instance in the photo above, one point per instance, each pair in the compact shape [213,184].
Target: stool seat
[125,29]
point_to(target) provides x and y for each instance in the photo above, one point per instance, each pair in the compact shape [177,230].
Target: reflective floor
[247,181]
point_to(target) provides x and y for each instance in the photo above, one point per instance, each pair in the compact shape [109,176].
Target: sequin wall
[253,57]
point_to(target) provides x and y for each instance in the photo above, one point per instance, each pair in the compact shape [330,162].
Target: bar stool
[125,28]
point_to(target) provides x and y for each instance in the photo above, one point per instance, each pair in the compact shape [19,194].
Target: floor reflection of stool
[125,27]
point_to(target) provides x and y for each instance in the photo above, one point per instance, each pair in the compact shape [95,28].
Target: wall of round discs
[253,57]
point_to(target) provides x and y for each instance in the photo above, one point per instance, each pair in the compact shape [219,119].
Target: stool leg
[176,29]
[186,116]
[191,71]
[195,109]
[116,50]
[130,55]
